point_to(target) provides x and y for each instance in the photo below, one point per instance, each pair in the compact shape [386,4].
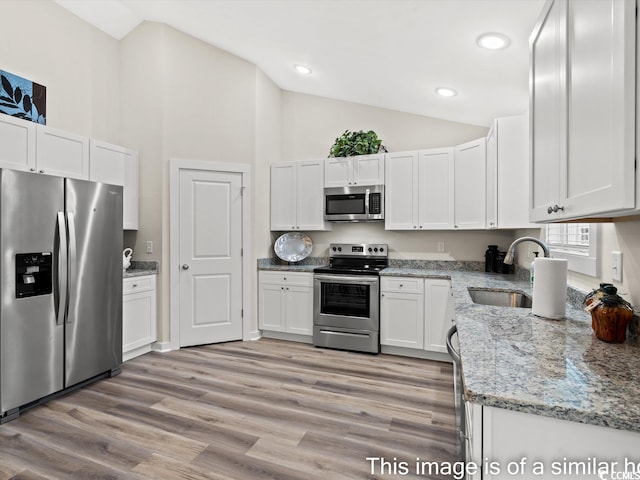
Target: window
[578,243]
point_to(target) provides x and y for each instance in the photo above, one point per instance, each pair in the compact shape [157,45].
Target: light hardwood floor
[242,410]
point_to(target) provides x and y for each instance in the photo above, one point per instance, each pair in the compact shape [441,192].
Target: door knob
[185,267]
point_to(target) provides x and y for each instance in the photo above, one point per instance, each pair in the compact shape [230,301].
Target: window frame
[584,264]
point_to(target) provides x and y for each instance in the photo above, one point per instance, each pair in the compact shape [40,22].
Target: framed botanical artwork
[22,98]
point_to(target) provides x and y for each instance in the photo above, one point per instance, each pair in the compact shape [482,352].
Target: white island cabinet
[509,444]
[415,314]
[583,108]
[139,329]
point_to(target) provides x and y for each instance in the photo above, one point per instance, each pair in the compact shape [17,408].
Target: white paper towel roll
[550,288]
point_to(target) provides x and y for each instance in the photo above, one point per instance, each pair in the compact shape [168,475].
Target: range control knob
[381,249]
[370,249]
[334,249]
[339,249]
[375,249]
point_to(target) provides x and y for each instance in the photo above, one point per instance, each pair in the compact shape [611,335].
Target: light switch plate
[149,246]
[440,246]
[616,266]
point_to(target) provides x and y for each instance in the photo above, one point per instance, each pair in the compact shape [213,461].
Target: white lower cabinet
[402,312]
[415,313]
[524,445]
[139,329]
[285,302]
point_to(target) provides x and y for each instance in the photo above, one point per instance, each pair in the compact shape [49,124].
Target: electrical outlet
[616,266]
[149,246]
[440,247]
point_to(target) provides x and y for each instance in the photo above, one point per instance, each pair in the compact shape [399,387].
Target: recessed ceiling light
[446,92]
[493,41]
[303,69]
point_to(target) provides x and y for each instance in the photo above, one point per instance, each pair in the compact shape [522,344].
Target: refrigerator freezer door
[31,341]
[94,318]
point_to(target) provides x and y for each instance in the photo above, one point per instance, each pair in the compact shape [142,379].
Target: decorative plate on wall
[293,246]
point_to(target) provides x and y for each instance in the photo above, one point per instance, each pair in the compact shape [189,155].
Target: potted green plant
[356,143]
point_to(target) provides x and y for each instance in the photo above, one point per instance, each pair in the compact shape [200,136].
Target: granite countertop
[307,265]
[138,269]
[556,368]
[514,360]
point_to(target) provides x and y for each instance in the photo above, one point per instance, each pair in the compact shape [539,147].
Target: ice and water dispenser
[33,274]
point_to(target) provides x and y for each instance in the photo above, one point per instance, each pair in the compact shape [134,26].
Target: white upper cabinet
[470,185]
[297,196]
[357,170]
[436,192]
[118,166]
[583,105]
[419,190]
[508,173]
[61,153]
[40,149]
[18,141]
[401,191]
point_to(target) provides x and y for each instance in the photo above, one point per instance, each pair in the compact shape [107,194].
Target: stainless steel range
[346,297]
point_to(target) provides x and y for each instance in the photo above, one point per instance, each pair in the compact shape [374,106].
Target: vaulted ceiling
[386,53]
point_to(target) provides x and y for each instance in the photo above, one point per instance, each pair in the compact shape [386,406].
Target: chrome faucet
[511,253]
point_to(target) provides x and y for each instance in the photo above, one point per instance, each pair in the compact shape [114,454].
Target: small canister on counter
[610,313]
[499,266]
[490,258]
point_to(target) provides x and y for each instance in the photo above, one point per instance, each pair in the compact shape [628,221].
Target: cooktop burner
[356,259]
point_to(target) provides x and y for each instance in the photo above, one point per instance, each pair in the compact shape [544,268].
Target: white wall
[77,63]
[311,124]
[182,99]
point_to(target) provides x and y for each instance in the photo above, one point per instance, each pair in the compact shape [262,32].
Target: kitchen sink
[500,298]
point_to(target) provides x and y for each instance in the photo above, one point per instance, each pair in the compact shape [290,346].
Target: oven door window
[344,299]
[345,204]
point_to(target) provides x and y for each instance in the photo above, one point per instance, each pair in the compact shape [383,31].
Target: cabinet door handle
[32,169]
[554,209]
[185,266]
[134,285]
[41,171]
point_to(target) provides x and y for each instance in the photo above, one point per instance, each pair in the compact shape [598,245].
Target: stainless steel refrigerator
[61,286]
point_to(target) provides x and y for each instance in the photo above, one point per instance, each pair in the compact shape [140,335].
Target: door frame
[176,165]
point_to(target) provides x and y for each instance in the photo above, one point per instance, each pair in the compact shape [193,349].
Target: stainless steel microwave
[354,204]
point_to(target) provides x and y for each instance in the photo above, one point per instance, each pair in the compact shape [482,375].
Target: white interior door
[210,257]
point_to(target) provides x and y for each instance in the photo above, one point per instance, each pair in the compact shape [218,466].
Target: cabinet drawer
[289,278]
[138,284]
[402,284]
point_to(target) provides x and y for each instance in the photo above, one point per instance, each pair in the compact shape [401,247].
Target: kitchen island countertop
[556,368]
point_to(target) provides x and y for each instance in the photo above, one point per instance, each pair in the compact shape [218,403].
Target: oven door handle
[350,279]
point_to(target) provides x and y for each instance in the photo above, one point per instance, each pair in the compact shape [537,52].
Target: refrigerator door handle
[72,270]
[62,269]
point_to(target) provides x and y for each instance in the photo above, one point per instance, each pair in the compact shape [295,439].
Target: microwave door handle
[366,201]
